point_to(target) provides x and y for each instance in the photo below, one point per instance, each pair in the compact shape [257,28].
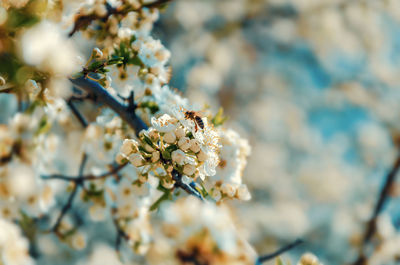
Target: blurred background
[314,87]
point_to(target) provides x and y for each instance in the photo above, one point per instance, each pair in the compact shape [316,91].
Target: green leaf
[166,155]
[147,140]
[115,60]
[33,106]
[219,118]
[171,148]
[135,60]
[142,150]
[151,105]
[9,66]
[96,65]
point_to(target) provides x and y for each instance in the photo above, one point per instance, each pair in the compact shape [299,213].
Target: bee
[196,117]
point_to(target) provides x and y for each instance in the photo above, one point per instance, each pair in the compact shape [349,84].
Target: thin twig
[187,187]
[267,257]
[383,196]
[130,117]
[120,232]
[65,208]
[77,114]
[106,98]
[112,172]
[71,197]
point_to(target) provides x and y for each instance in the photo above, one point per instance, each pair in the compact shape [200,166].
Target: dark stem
[129,116]
[120,232]
[65,209]
[187,187]
[104,97]
[267,257]
[76,112]
[383,197]
[112,172]
[71,197]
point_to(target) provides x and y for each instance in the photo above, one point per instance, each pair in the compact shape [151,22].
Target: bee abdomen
[199,121]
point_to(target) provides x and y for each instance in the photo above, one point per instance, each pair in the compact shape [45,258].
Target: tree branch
[186,187]
[129,116]
[267,257]
[71,197]
[77,114]
[383,196]
[104,97]
[113,171]
[120,232]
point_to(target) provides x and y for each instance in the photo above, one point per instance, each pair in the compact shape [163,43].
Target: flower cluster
[112,20]
[233,154]
[147,60]
[72,121]
[14,248]
[173,143]
[201,233]
[20,187]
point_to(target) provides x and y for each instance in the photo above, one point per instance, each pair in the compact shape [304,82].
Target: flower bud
[148,148]
[184,143]
[153,134]
[201,156]
[179,132]
[170,137]
[194,145]
[135,4]
[128,146]
[178,156]
[189,169]
[155,156]
[136,159]
[97,53]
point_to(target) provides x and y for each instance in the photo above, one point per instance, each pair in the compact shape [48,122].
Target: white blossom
[13,247]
